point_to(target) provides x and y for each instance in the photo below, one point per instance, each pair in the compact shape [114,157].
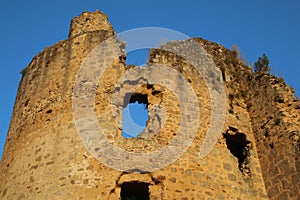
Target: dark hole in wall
[135,97]
[239,146]
[135,191]
[155,92]
[26,102]
[223,69]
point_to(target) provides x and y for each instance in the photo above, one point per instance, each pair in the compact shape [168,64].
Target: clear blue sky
[257,27]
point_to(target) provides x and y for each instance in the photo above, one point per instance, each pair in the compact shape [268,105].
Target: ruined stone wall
[275,116]
[274,112]
[45,159]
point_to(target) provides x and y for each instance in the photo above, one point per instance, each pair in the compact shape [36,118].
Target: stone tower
[255,157]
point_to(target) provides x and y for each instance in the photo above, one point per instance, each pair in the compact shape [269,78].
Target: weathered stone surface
[45,159]
[89,22]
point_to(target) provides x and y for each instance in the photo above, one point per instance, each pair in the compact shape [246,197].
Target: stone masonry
[255,157]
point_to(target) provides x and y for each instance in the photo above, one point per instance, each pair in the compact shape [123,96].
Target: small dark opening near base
[238,145]
[135,191]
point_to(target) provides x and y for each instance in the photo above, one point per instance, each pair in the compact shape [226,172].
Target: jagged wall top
[44,156]
[87,22]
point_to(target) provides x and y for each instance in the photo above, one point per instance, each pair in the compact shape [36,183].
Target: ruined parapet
[45,158]
[89,22]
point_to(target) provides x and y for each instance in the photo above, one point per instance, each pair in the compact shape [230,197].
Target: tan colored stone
[45,159]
